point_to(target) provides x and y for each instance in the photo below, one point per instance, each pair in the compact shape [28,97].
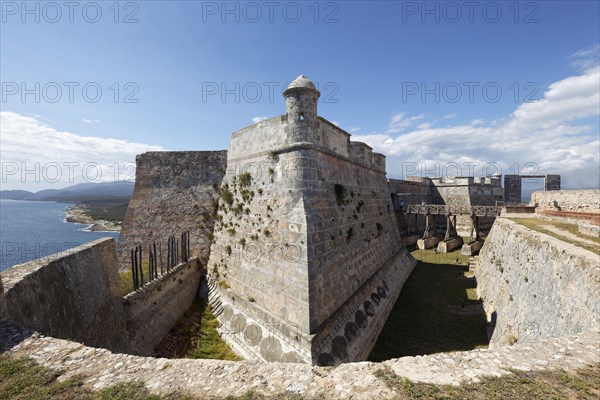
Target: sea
[34,229]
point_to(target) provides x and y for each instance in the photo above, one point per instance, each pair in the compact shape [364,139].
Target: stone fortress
[298,243]
[310,239]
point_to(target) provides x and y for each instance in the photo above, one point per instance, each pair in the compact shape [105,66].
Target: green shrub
[245,179]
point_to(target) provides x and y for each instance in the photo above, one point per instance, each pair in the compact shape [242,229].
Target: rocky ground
[99,368]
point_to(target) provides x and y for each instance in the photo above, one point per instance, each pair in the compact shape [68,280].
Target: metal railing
[178,251]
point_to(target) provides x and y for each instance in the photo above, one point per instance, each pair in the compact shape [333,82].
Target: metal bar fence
[178,251]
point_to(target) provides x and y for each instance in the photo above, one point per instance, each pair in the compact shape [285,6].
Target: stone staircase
[473,263]
[214,300]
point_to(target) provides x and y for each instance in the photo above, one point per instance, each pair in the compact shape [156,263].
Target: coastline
[78,214]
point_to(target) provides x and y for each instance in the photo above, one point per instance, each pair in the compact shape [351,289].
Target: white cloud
[586,58]
[37,156]
[354,129]
[450,116]
[335,123]
[258,119]
[400,122]
[555,133]
[90,121]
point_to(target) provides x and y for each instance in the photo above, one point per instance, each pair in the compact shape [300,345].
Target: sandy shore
[78,214]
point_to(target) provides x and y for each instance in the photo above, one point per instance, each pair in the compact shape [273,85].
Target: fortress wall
[378,161]
[536,286]
[412,192]
[486,194]
[333,138]
[174,192]
[153,310]
[274,234]
[265,136]
[3,313]
[361,153]
[458,195]
[583,201]
[73,295]
[259,253]
[454,195]
[353,234]
[356,261]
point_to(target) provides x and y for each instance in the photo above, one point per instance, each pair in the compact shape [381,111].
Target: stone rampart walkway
[218,379]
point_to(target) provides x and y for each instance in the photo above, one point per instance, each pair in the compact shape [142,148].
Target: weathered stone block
[428,243]
[449,245]
[471,248]
[411,240]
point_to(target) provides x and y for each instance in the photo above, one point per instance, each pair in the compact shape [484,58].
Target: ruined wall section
[174,192]
[535,286]
[153,310]
[586,201]
[72,295]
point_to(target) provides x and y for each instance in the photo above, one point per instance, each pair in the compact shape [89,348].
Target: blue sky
[372,61]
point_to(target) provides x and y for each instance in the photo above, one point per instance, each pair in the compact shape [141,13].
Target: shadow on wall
[435,312]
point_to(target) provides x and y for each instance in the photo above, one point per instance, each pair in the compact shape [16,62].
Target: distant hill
[16,194]
[83,192]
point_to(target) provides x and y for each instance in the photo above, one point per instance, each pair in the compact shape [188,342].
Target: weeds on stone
[24,379]
[245,179]
[583,384]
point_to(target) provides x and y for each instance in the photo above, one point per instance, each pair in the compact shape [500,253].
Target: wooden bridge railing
[442,209]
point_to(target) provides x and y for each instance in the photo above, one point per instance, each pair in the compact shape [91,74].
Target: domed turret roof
[301,82]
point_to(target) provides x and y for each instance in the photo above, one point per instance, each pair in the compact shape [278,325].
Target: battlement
[270,136]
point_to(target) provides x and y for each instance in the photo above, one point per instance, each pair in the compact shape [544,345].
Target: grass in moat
[23,379]
[421,321]
[127,278]
[195,336]
[205,341]
[538,225]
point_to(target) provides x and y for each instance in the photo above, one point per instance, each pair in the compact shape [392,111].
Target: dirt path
[568,235]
